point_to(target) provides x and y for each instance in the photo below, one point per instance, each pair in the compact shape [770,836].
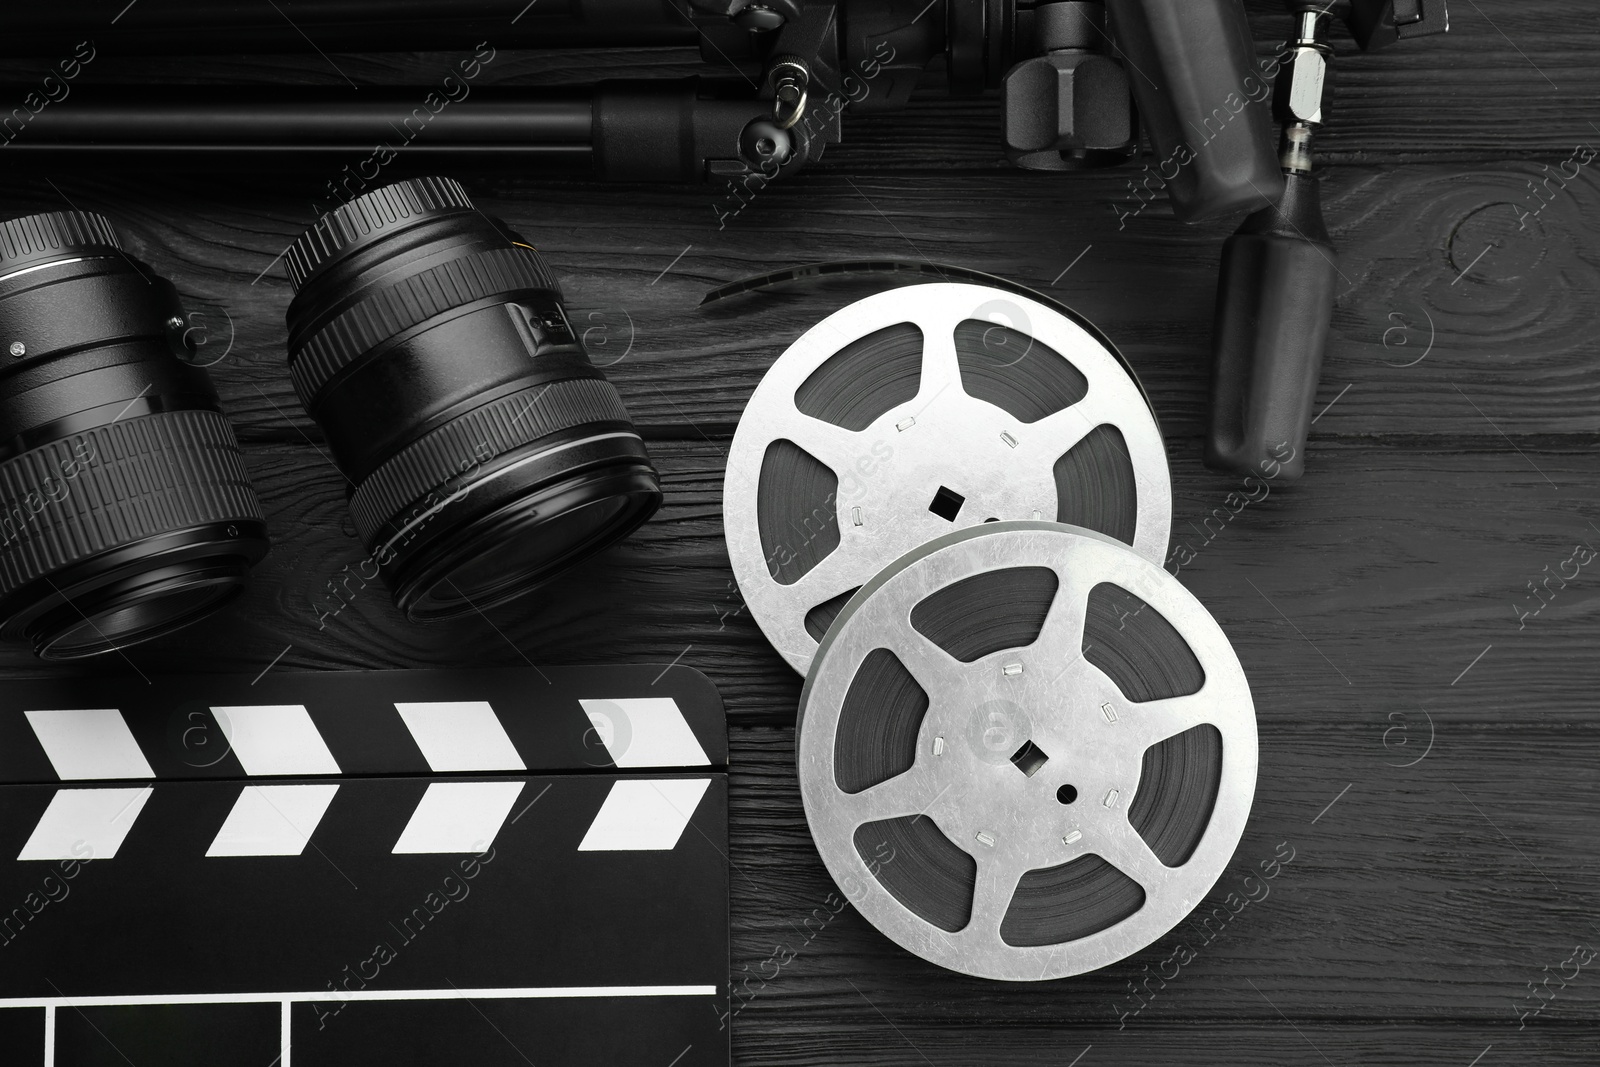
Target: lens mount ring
[400,203]
[494,429]
[353,333]
[141,478]
[54,231]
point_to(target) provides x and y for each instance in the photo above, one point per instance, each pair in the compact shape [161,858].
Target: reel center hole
[947,504]
[1029,758]
[1067,794]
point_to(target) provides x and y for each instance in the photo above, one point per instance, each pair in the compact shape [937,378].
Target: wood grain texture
[1400,902]
[1380,576]
[1454,291]
[1429,741]
[893,1042]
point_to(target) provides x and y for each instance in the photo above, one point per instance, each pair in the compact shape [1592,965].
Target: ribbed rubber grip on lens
[54,231]
[377,210]
[352,334]
[492,430]
[116,484]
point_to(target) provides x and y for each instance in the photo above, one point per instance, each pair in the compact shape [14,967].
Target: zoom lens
[486,452]
[126,511]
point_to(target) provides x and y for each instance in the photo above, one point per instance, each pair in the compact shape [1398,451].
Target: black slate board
[327,910]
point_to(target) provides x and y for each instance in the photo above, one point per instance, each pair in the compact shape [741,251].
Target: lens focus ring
[142,477]
[54,231]
[409,302]
[377,210]
[494,429]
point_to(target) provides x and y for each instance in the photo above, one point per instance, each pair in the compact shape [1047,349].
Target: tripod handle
[1274,309]
[1202,101]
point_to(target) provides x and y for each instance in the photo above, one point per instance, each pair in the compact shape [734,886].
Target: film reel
[921,410]
[1025,751]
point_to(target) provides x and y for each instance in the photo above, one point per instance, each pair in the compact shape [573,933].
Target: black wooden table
[1429,740]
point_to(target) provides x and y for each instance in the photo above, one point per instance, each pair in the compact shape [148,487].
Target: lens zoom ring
[416,299]
[350,222]
[492,430]
[115,484]
[55,231]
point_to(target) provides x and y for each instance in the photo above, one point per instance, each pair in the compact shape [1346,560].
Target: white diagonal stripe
[646,815]
[460,735]
[458,817]
[83,824]
[645,732]
[272,820]
[275,739]
[89,743]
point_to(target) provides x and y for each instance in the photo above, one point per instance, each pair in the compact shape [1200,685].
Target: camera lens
[126,511]
[486,453]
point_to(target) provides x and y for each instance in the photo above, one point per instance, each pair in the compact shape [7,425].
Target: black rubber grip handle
[1203,103]
[1274,307]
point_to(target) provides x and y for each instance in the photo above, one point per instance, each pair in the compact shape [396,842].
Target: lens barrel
[486,452]
[126,511]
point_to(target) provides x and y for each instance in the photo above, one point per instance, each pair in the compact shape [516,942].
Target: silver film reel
[921,410]
[1025,751]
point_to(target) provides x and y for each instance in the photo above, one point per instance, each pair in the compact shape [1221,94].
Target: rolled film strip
[921,410]
[1025,751]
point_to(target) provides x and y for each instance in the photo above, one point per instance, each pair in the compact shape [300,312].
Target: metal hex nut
[1297,97]
[1067,100]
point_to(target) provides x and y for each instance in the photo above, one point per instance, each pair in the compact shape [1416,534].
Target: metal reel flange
[1008,816]
[942,438]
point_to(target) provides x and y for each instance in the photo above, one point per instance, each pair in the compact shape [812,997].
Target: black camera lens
[126,511]
[487,454]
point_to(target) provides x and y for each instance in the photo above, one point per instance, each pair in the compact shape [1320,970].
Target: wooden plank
[889,1041]
[1462,310]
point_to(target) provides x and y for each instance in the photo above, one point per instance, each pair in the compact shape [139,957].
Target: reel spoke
[935,670]
[991,897]
[910,793]
[846,567]
[1153,721]
[1069,426]
[1060,640]
[941,369]
[833,446]
[1125,850]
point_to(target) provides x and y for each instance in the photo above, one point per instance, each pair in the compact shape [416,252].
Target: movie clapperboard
[484,867]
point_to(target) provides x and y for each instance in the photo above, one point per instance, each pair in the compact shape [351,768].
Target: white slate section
[84,824]
[89,743]
[647,815]
[460,735]
[275,739]
[458,817]
[645,732]
[272,820]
